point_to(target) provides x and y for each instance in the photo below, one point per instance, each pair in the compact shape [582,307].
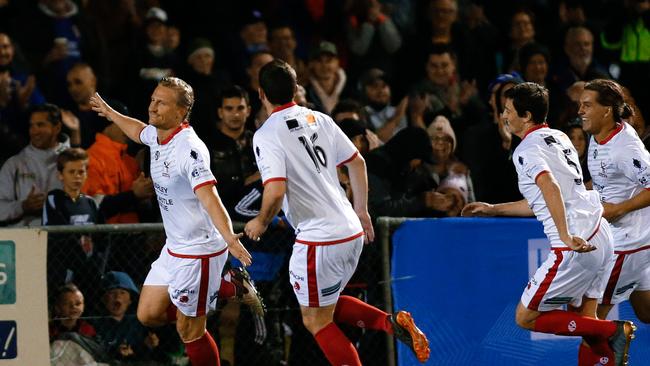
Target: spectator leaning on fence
[28,175]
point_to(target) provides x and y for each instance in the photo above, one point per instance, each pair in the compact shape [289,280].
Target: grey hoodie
[31,167]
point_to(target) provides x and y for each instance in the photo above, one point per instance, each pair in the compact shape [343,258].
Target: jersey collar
[183,126]
[284,106]
[619,128]
[534,128]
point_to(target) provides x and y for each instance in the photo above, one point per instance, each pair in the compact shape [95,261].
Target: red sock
[171,313]
[203,351]
[568,323]
[227,289]
[589,356]
[336,346]
[350,310]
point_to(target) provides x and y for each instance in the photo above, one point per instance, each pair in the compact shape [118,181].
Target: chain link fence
[83,255]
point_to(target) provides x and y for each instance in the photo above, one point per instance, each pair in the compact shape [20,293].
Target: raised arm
[359,184]
[212,204]
[130,126]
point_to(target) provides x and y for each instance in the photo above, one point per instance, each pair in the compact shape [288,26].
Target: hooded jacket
[31,167]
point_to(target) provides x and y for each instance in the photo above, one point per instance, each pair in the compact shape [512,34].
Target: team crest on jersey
[257,151]
[595,153]
[156,155]
[194,155]
[637,164]
[521,160]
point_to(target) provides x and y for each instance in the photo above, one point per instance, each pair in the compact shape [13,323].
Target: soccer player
[297,152]
[184,282]
[620,168]
[550,179]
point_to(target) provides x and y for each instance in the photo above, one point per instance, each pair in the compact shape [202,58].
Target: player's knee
[314,324]
[145,317]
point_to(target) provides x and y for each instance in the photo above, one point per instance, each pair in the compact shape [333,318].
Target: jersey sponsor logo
[296,276]
[595,154]
[195,173]
[603,170]
[159,188]
[156,155]
[296,286]
[194,155]
[164,203]
[311,119]
[293,125]
[183,299]
[604,360]
[166,165]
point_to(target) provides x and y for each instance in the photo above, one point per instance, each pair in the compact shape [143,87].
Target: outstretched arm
[517,208]
[130,126]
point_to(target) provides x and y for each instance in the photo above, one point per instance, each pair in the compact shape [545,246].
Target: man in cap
[385,119]
[328,80]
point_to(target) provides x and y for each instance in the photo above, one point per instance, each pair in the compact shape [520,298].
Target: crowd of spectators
[417,85]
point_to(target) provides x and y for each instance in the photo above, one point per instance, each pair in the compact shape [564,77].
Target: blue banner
[462,279]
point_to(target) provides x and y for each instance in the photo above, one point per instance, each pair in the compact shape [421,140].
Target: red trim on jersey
[546,283]
[339,241]
[619,128]
[276,179]
[140,133]
[631,250]
[534,128]
[646,189]
[212,181]
[348,159]
[180,128]
[540,174]
[203,287]
[312,280]
[613,279]
[284,106]
[197,256]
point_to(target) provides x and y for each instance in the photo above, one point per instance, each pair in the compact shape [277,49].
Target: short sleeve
[194,162]
[345,149]
[149,136]
[531,164]
[635,164]
[270,158]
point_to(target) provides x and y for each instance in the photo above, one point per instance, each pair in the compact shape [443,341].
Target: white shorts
[192,281]
[318,273]
[630,272]
[566,276]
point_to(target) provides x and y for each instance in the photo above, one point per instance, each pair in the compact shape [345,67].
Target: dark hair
[278,81]
[529,50]
[53,112]
[441,49]
[523,10]
[65,289]
[347,105]
[529,97]
[68,155]
[610,94]
[234,91]
[184,92]
[498,91]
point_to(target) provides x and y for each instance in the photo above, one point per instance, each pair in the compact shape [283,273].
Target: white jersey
[180,165]
[620,170]
[304,148]
[545,150]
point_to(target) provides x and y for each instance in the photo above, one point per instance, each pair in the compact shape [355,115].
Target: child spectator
[67,311]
